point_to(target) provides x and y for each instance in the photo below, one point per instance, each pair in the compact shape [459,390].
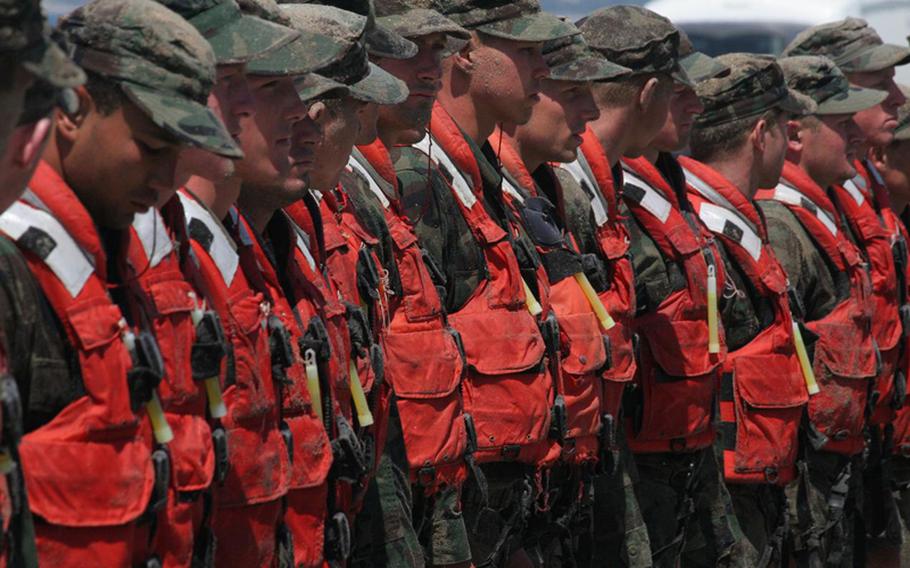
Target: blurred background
[722,26]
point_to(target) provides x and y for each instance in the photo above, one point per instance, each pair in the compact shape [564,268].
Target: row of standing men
[398,283]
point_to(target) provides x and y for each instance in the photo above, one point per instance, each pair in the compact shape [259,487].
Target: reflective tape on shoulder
[786,194]
[723,222]
[647,197]
[219,248]
[153,235]
[39,232]
[459,182]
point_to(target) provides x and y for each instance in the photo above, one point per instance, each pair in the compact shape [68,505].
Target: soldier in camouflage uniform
[822,501]
[741,142]
[389,522]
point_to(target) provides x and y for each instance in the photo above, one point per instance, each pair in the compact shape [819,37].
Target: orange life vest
[763,391]
[844,358]
[678,376]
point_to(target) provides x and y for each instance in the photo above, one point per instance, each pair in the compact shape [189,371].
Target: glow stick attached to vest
[713,328]
[804,363]
[312,381]
[217,408]
[160,428]
[603,316]
[364,416]
[6,463]
[530,301]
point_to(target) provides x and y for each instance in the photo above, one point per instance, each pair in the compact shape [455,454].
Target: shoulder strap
[208,232]
[153,236]
[585,179]
[725,222]
[640,192]
[790,196]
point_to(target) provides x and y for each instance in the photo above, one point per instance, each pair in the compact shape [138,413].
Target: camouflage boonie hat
[314,48]
[851,44]
[26,38]
[364,80]
[415,18]
[902,132]
[697,65]
[518,20]
[754,85]
[161,63]
[637,38]
[235,37]
[570,59]
[820,79]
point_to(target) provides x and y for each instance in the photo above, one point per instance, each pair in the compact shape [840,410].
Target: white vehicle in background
[767,26]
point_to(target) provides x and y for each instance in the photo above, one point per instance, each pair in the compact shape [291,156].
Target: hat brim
[315,85]
[417,22]
[49,63]
[588,69]
[700,67]
[305,54]
[248,38]
[379,87]
[797,104]
[384,42]
[680,76]
[878,57]
[537,27]
[188,121]
[854,100]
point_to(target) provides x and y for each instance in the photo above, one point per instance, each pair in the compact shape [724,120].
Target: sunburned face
[877,124]
[553,134]
[340,122]
[507,77]
[829,149]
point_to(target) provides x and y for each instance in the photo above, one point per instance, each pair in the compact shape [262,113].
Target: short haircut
[622,92]
[710,142]
[105,93]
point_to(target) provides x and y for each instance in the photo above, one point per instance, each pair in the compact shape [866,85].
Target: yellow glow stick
[217,408]
[364,416]
[808,373]
[162,430]
[603,316]
[713,328]
[530,301]
[312,381]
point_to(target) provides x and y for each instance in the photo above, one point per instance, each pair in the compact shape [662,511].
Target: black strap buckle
[317,339]
[559,417]
[471,432]
[288,439]
[161,463]
[222,459]
[210,347]
[147,370]
[337,538]
[280,345]
[350,463]
[12,409]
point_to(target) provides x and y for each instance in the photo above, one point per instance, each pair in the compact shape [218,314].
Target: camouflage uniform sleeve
[37,356]
[802,262]
[579,219]
[737,311]
[653,281]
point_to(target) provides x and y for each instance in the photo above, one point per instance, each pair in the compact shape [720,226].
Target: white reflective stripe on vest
[509,187]
[459,183]
[374,187]
[66,259]
[716,217]
[854,191]
[786,194]
[156,243]
[221,250]
[653,201]
[577,171]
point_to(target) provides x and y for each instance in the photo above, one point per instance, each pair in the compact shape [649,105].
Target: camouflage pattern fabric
[161,62]
[637,38]
[761,510]
[520,20]
[819,78]
[570,59]
[235,37]
[25,36]
[754,85]
[323,40]
[851,44]
[414,18]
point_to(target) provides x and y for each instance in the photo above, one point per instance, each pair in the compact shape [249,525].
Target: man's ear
[879,157]
[29,142]
[463,59]
[794,137]
[67,121]
[648,94]
[759,135]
